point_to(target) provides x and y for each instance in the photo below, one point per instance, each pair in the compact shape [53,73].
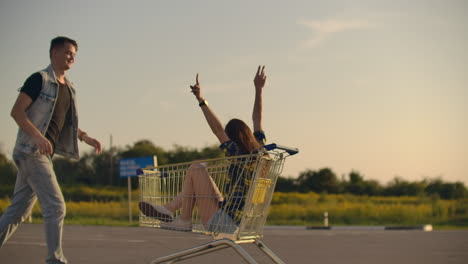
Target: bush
[308,209]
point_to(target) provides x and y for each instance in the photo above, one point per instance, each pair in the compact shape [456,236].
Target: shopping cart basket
[246,184]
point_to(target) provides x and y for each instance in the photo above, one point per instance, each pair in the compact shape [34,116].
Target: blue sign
[129,167]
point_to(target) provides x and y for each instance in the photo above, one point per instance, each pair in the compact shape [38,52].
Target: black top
[32,87]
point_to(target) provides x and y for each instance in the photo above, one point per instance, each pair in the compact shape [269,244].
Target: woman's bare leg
[198,189]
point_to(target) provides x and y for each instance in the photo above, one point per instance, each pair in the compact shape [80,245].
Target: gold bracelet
[203,103]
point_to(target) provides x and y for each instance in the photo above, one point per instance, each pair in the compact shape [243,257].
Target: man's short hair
[60,42]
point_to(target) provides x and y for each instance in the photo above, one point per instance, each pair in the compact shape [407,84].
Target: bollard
[325,219]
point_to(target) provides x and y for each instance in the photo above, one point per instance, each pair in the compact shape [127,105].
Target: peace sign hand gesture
[260,78]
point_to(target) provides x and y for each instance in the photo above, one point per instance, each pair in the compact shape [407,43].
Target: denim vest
[40,113]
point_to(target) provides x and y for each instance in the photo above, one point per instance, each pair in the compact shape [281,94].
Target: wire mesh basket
[227,198]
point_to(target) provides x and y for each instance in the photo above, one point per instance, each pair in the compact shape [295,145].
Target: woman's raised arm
[210,116]
[259,82]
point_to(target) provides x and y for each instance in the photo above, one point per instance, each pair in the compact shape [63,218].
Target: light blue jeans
[36,180]
[222,223]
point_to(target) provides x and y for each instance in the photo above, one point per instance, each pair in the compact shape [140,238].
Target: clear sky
[380,87]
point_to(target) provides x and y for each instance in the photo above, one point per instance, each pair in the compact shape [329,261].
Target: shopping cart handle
[290,151]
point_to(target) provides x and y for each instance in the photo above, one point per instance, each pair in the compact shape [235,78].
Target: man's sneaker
[156,211]
[178,225]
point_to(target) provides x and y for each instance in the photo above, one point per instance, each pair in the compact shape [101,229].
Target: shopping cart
[246,184]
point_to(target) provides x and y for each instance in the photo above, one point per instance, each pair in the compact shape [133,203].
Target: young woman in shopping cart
[199,188]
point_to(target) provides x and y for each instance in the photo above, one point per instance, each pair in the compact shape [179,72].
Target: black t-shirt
[32,87]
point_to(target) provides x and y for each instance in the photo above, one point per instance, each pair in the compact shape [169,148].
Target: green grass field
[109,207]
[308,209]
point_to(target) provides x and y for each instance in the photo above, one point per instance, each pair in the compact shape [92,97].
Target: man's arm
[18,113]
[259,82]
[210,116]
[83,136]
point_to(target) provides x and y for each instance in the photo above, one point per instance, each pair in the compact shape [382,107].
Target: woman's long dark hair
[242,135]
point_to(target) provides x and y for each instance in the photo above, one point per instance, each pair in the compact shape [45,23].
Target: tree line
[103,170]
[326,181]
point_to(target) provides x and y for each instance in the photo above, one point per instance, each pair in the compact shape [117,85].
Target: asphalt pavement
[103,244]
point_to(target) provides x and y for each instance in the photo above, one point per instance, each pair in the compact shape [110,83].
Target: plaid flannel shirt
[239,178]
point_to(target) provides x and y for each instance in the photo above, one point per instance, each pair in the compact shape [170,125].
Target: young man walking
[46,114]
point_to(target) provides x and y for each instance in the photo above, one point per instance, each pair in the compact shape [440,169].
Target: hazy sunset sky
[380,87]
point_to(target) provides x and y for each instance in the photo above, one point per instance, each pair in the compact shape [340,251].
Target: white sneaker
[178,225]
[156,211]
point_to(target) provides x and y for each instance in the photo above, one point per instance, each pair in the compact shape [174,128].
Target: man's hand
[260,78]
[93,143]
[196,90]
[43,145]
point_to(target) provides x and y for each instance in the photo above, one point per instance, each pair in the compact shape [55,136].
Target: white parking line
[27,243]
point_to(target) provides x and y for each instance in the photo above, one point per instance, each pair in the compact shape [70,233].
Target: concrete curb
[426,228]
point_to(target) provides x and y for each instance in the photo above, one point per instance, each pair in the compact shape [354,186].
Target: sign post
[128,168]
[129,182]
